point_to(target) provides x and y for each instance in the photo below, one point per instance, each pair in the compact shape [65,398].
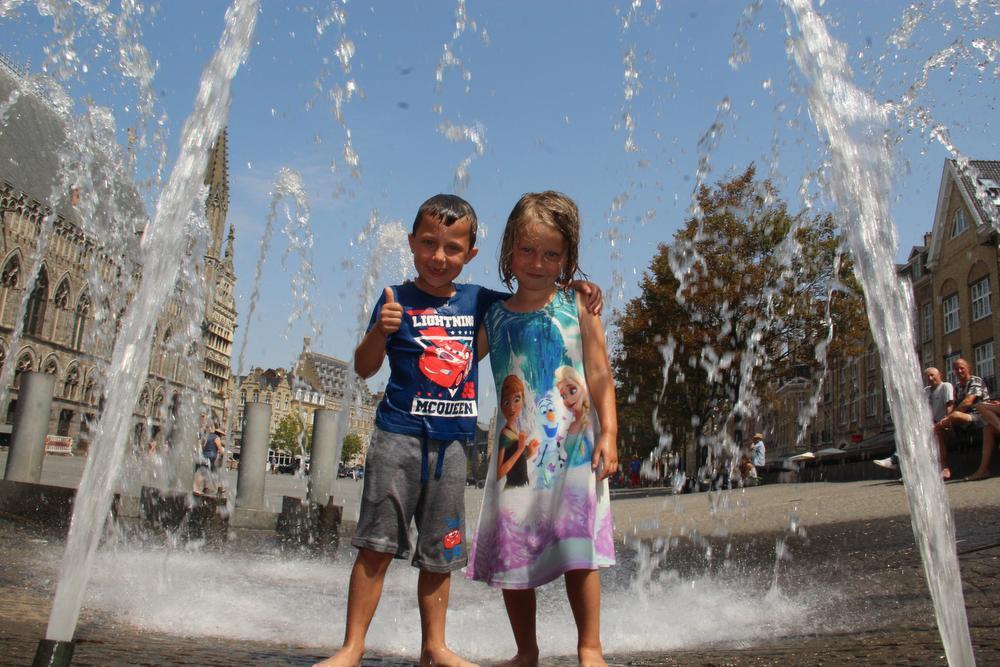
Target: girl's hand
[607,450]
[391,315]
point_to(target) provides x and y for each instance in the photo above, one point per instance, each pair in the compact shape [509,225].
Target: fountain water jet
[854,126]
[163,250]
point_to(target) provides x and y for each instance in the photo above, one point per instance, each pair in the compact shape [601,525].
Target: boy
[415,466]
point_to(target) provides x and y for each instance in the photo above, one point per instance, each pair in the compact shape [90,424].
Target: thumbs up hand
[391,315]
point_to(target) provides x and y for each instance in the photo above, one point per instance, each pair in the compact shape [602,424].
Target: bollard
[253,456]
[323,463]
[31,425]
[184,446]
[53,653]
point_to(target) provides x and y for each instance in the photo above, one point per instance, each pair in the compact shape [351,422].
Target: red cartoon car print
[446,361]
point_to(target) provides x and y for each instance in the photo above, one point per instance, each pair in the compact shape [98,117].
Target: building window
[949,309]
[981,304]
[949,362]
[959,224]
[928,322]
[871,400]
[35,315]
[80,321]
[984,364]
[10,273]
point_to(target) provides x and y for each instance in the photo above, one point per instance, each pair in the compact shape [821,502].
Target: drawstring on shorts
[425,460]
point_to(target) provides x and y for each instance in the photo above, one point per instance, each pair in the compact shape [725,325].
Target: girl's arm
[601,386]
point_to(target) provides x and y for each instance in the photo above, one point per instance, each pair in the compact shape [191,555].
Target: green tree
[288,432]
[740,300]
[351,448]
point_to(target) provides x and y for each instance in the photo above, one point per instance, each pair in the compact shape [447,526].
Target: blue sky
[544,83]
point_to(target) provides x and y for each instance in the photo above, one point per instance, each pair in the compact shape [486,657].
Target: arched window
[51,366]
[11,272]
[143,402]
[89,391]
[80,322]
[35,315]
[24,365]
[61,299]
[71,382]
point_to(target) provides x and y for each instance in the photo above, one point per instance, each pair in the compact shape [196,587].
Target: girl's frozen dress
[560,520]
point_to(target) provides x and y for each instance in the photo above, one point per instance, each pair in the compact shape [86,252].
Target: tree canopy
[351,448]
[739,301]
[288,432]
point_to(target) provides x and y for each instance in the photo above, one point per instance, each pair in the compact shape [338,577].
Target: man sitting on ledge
[970,391]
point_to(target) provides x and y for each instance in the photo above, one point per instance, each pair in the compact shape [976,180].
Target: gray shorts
[395,493]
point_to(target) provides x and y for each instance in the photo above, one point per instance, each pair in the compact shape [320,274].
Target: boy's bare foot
[976,476]
[946,474]
[590,657]
[521,660]
[443,657]
[345,657]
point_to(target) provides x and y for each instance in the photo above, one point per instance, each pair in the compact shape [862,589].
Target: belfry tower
[219,325]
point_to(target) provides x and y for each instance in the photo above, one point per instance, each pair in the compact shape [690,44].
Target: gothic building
[56,223]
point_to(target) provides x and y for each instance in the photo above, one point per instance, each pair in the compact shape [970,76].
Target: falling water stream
[854,126]
[163,247]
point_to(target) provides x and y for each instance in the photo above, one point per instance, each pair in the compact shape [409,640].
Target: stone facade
[334,377]
[955,273]
[319,381]
[56,218]
[287,395]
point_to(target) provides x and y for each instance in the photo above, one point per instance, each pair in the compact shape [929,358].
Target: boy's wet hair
[448,209]
[552,209]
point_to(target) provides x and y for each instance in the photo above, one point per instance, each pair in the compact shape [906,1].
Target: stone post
[184,446]
[323,462]
[31,425]
[253,455]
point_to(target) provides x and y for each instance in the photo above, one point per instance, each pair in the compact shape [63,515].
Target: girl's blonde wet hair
[552,209]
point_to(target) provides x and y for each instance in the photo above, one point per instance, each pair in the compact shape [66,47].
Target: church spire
[228,259]
[217,203]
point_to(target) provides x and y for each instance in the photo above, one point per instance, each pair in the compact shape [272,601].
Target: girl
[558,520]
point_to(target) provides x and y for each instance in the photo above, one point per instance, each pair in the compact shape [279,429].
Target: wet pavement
[851,538]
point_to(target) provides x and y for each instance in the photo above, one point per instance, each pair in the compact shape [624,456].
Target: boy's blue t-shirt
[433,363]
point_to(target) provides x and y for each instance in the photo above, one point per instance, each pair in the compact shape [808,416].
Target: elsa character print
[573,391]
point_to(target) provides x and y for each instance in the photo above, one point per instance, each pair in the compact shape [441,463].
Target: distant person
[940,395]
[415,468]
[634,470]
[206,478]
[550,519]
[758,453]
[971,390]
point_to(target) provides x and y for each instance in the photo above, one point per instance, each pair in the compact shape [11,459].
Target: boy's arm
[601,386]
[370,352]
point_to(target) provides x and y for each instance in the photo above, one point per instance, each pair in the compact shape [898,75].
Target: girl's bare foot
[443,657]
[976,476]
[590,657]
[521,660]
[946,474]
[345,657]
